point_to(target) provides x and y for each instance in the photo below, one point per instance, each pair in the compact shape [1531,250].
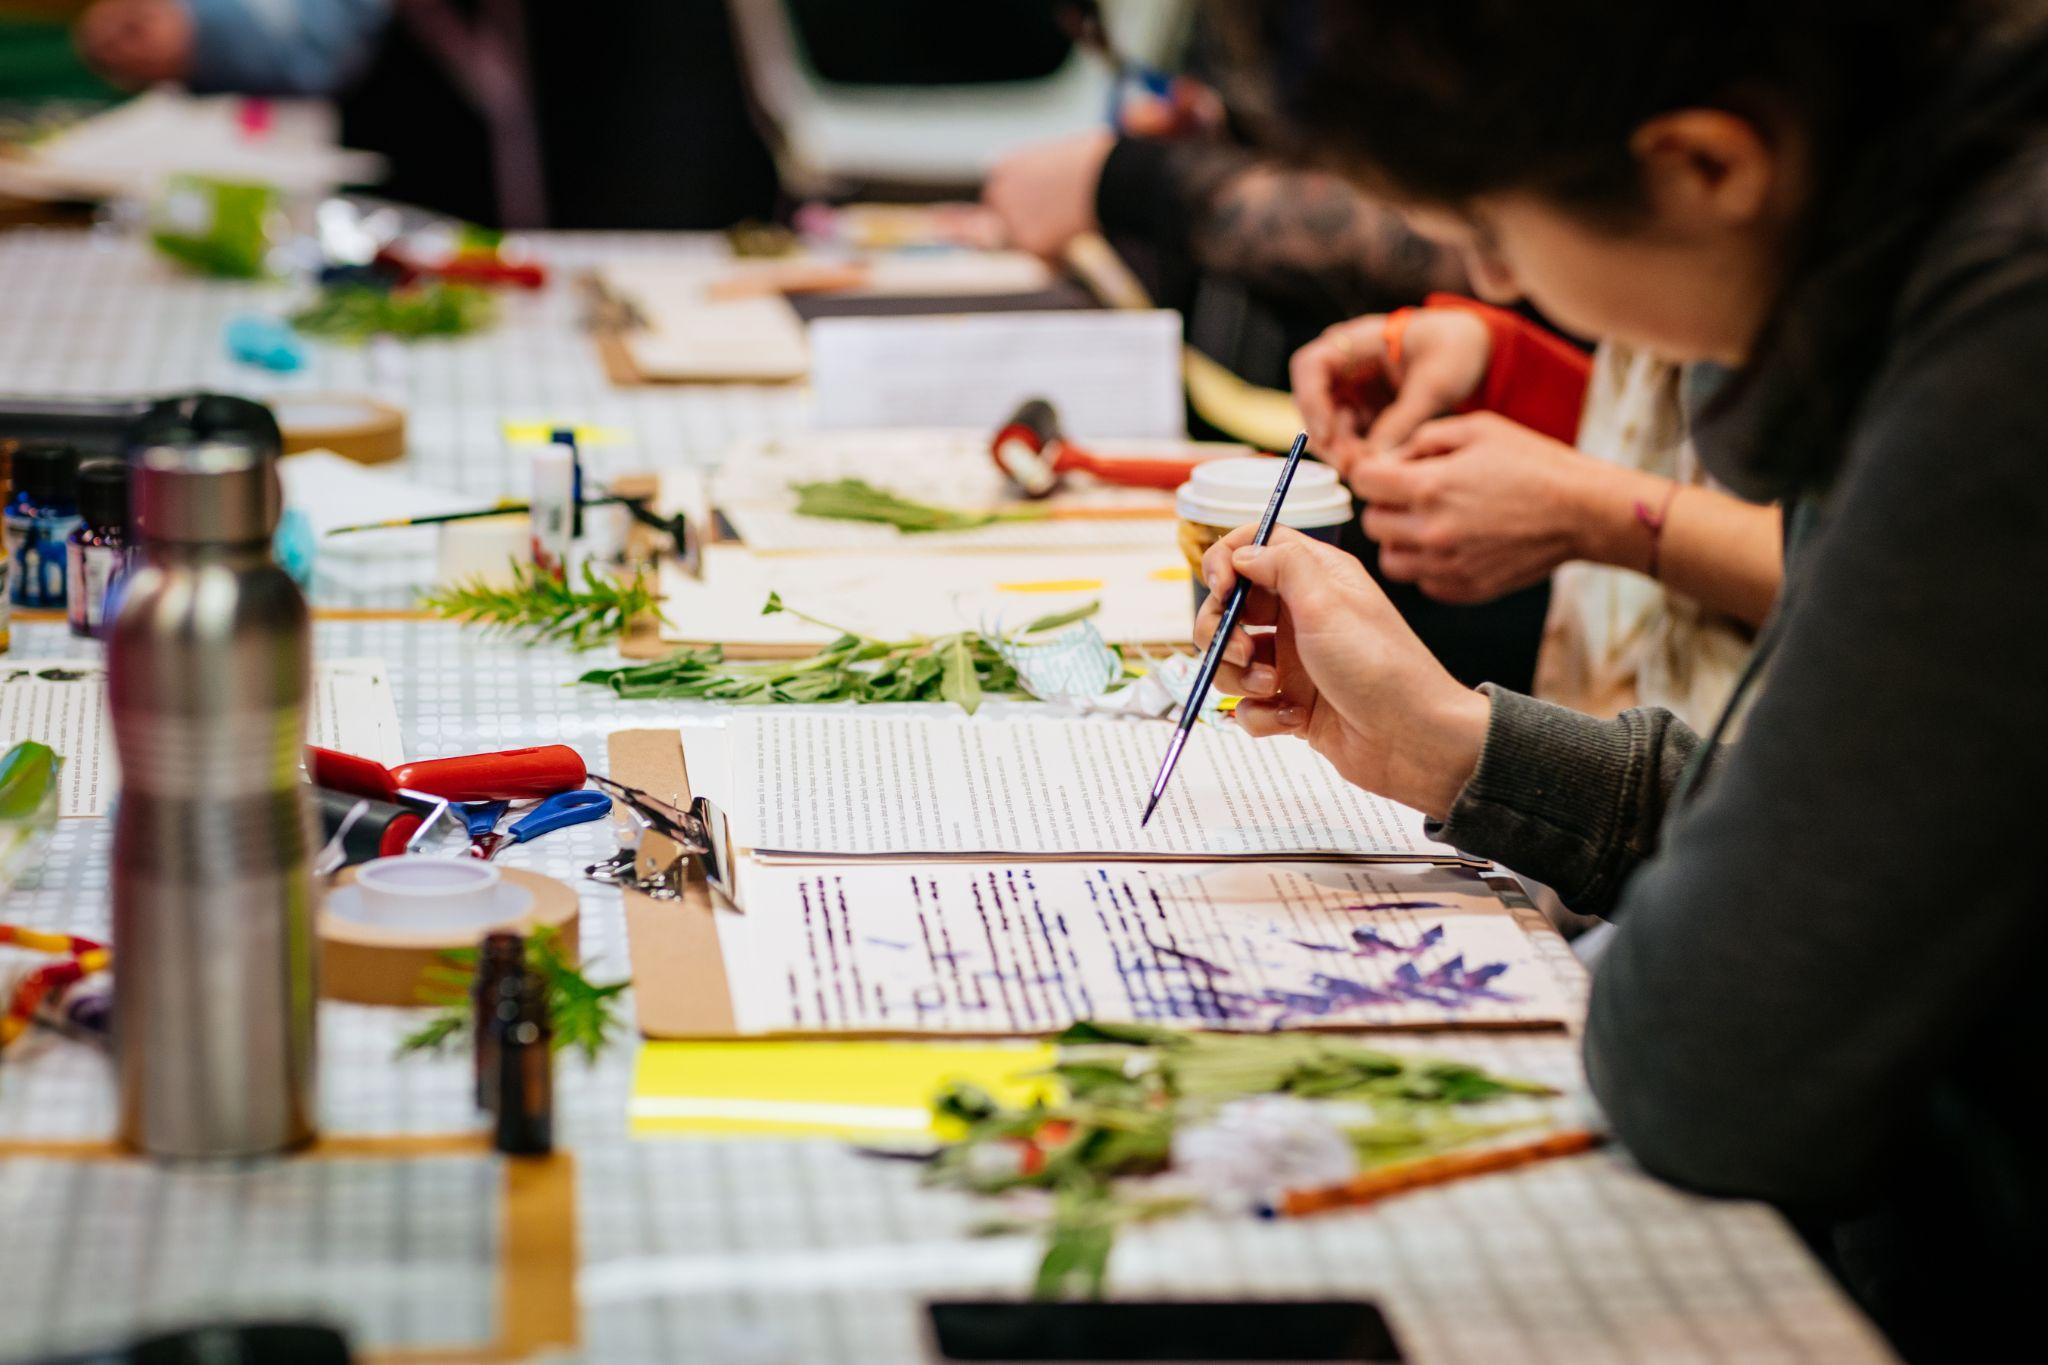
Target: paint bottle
[501,955]
[6,560]
[553,513]
[525,1102]
[41,513]
[98,548]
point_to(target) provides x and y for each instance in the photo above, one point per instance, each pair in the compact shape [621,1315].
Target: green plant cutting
[357,312]
[859,500]
[582,1014]
[1129,1092]
[961,668]
[542,609]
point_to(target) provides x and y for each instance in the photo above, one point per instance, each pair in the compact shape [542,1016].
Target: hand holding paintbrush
[1233,608]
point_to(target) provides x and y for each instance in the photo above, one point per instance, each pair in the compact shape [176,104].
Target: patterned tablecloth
[736,1250]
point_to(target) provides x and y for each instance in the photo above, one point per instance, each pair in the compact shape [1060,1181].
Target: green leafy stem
[961,668]
[542,609]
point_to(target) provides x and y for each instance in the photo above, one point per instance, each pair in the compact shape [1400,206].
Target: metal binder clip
[698,832]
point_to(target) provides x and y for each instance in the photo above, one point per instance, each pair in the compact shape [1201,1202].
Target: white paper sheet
[752,487]
[1108,373]
[1145,595]
[1030,948]
[63,703]
[813,784]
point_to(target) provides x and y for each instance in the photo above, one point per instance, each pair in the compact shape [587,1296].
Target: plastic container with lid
[1223,495]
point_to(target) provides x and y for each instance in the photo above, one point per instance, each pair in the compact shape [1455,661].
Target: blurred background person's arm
[1300,238]
[258,47]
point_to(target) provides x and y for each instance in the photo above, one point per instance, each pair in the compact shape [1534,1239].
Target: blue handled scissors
[557,812]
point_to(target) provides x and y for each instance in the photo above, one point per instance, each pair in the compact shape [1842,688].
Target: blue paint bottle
[40,516]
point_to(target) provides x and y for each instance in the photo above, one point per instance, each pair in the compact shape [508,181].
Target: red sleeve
[1536,377]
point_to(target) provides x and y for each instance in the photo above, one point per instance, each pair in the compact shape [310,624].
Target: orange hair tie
[1392,332]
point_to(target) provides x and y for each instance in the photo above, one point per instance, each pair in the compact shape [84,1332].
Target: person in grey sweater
[1823,988]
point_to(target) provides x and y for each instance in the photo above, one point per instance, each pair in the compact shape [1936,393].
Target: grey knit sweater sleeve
[1852,895]
[1569,800]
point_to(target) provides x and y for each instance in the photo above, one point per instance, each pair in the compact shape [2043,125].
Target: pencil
[1369,1187]
[1191,711]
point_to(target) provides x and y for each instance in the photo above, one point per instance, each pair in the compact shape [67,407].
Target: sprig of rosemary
[960,668]
[582,1014]
[859,500]
[542,609]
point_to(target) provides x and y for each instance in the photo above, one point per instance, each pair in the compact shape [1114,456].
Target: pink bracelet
[1653,522]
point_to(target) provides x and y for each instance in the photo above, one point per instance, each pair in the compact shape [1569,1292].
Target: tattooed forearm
[1306,233]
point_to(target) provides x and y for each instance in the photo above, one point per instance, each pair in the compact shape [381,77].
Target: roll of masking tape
[373,952]
[352,426]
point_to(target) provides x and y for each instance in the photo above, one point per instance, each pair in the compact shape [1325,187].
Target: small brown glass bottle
[526,1069]
[499,956]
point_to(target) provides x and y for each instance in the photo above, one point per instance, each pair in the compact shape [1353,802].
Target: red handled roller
[1036,456]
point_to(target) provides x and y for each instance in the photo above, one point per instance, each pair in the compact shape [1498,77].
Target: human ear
[1706,169]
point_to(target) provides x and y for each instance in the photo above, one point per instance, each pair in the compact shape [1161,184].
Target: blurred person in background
[510,113]
[260,47]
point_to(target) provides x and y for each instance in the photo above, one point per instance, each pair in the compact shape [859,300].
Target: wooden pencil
[1369,1187]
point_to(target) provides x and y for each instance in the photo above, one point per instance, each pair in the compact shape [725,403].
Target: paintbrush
[1191,710]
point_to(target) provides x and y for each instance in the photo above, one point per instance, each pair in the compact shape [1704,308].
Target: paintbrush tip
[1150,806]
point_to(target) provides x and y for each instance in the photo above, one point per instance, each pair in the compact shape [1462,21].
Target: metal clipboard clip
[657,841]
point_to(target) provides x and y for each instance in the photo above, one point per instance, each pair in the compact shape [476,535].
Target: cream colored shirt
[1615,638]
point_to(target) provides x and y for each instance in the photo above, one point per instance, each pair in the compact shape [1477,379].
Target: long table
[404,1228]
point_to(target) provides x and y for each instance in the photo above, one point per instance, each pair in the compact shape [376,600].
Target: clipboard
[681,989]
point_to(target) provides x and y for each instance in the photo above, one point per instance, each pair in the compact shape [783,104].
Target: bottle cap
[103,494]
[45,472]
[210,492]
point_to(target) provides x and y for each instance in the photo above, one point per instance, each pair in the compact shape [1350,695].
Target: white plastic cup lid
[1234,492]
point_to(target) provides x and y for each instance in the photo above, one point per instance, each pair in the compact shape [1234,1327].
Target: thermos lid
[45,471]
[103,493]
[210,492]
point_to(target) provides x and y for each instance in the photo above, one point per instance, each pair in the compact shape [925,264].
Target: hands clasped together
[1467,507]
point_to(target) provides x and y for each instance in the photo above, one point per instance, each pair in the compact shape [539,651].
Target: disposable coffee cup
[1222,495]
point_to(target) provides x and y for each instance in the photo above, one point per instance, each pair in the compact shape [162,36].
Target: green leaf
[1063,618]
[773,604]
[960,684]
[859,500]
[435,1034]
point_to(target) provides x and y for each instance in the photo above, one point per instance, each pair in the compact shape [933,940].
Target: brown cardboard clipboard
[680,988]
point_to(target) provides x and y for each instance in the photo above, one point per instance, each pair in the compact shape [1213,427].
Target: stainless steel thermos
[208,670]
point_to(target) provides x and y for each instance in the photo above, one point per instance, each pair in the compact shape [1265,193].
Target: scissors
[557,812]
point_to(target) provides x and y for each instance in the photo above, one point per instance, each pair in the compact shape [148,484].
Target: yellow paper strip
[820,1088]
